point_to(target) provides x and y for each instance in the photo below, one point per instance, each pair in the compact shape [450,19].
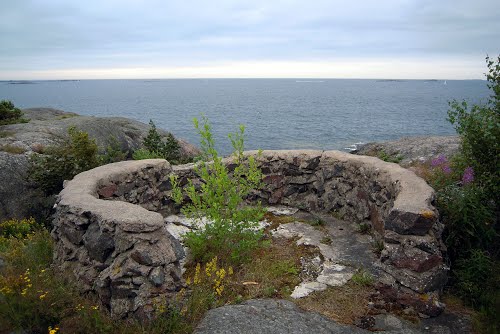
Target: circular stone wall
[110,233]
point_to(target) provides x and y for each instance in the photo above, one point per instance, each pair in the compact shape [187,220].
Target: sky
[118,39]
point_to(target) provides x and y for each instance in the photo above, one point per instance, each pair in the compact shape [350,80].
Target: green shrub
[364,228]
[382,155]
[468,217]
[169,149]
[468,189]
[9,114]
[113,152]
[469,203]
[479,130]
[473,271]
[363,278]
[17,228]
[74,155]
[142,154]
[232,235]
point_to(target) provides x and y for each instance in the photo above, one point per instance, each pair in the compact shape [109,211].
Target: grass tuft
[12,149]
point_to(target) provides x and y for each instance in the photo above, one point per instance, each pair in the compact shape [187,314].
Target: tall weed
[232,234]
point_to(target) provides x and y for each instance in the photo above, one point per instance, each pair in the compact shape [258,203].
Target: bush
[74,155]
[467,198]
[468,218]
[473,270]
[142,154]
[471,213]
[113,152]
[14,228]
[169,149]
[232,235]
[479,130]
[9,114]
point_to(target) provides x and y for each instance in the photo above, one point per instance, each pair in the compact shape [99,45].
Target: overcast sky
[80,39]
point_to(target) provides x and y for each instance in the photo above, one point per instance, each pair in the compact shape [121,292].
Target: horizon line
[247,78]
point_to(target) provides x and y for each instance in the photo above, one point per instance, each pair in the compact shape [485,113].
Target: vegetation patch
[395,158]
[142,154]
[363,278]
[467,187]
[233,234]
[378,246]
[364,228]
[113,152]
[75,154]
[156,147]
[34,298]
[65,116]
[9,114]
[344,304]
[12,149]
[276,221]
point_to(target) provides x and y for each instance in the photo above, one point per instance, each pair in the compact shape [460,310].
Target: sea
[277,113]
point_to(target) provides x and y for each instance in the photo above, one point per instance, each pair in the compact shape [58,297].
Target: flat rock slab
[269,316]
[342,248]
[278,316]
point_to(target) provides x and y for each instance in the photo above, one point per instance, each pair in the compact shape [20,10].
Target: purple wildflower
[468,176]
[440,160]
[446,169]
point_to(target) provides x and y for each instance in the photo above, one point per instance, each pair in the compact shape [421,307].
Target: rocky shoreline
[411,150]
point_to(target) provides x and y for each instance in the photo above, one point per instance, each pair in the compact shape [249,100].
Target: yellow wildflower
[211,267]
[219,290]
[230,270]
[53,330]
[221,273]
[197,278]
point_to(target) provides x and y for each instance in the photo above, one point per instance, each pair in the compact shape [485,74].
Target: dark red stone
[107,191]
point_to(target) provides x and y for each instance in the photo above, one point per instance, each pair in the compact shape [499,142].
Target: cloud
[55,35]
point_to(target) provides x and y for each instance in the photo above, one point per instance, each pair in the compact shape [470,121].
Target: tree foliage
[479,130]
[76,153]
[9,114]
[168,148]
[469,206]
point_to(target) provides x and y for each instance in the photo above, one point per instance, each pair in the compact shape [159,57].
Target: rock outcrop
[412,149]
[47,127]
[269,316]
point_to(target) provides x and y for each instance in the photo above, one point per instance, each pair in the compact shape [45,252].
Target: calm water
[278,113]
